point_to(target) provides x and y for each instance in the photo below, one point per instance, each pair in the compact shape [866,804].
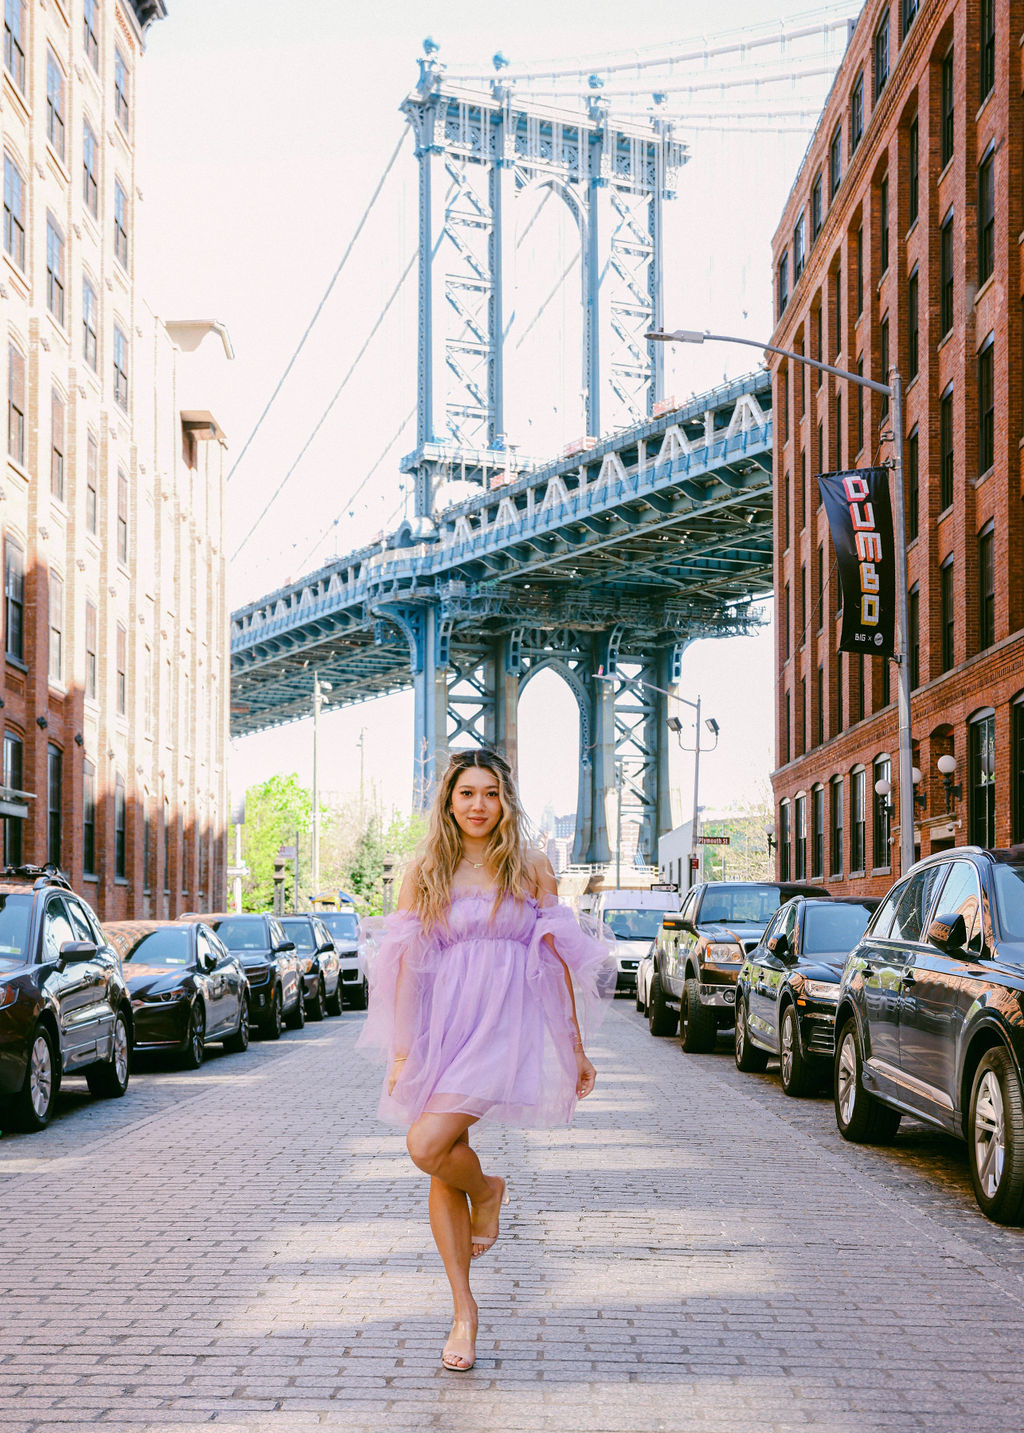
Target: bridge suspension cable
[326,413]
[320,306]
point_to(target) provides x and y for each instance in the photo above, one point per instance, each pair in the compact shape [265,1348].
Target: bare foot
[459,1353]
[485,1217]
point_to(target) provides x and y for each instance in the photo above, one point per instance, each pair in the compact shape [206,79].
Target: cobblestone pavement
[245,1248]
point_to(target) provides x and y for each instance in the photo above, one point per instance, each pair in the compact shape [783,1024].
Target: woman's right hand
[394,1074]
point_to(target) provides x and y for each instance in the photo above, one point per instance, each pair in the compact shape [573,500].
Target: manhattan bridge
[652,529]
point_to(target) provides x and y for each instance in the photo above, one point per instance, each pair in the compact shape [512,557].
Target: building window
[986,408]
[914,635]
[167,849]
[56,666]
[89,819]
[54,802]
[816,207]
[913,172]
[14,212]
[857,820]
[785,621]
[859,272]
[837,309]
[147,846]
[910,8]
[1018,769]
[799,247]
[982,755]
[880,840]
[818,832]
[946,102]
[819,707]
[800,846]
[91,33]
[784,839]
[90,651]
[57,445]
[946,614]
[913,486]
[835,863]
[92,454]
[121,111]
[838,428]
[16,404]
[882,54]
[883,220]
[783,282]
[913,325]
[120,368]
[14,780]
[120,225]
[857,112]
[55,104]
[90,326]
[835,162]
[819,347]
[90,186]
[14,41]
[986,587]
[883,362]
[986,216]
[987,45]
[788,734]
[122,518]
[859,400]
[120,812]
[122,671]
[14,598]
[54,270]
[946,450]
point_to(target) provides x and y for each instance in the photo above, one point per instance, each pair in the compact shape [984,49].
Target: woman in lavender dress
[478,990]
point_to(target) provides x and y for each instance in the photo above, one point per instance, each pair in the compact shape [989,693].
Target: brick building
[900,244]
[114,690]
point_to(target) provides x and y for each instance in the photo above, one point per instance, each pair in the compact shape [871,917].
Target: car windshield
[756,904]
[301,932]
[14,914]
[1009,884]
[343,924]
[635,924]
[237,933]
[168,946]
[833,929]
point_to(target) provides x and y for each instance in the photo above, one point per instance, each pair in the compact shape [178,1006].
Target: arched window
[857,820]
[120,825]
[981,743]
[881,825]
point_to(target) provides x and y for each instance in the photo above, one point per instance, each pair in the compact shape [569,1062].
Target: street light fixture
[952,791]
[893,390]
[674,724]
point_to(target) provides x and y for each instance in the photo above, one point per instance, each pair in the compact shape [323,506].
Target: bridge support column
[597,763]
[430,685]
[663,793]
[506,667]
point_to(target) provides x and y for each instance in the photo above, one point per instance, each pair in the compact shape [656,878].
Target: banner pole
[902,653]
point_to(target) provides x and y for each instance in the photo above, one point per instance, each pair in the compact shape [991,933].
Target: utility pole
[362,764]
[618,825]
[319,700]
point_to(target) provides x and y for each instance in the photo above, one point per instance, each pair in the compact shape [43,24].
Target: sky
[263,130]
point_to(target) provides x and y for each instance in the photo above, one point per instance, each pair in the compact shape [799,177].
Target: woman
[476,993]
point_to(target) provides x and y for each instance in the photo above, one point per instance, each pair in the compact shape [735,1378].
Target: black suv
[930,1019]
[699,953]
[271,966]
[318,960]
[64,1005]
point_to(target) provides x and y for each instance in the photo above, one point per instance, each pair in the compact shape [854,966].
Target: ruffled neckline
[488,896]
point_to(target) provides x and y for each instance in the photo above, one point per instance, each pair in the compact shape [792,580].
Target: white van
[634,918]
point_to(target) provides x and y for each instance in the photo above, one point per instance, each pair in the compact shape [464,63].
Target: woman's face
[476,801]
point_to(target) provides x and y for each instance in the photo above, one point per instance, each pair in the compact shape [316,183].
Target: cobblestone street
[246,1247]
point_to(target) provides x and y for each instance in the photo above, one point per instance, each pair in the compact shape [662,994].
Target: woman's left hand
[585,1076]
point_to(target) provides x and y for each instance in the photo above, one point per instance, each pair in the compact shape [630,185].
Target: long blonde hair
[442,849]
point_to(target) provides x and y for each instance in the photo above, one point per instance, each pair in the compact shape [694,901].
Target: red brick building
[900,244]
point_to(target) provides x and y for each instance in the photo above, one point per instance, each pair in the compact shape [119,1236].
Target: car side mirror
[209,961]
[284,947]
[325,949]
[779,945]
[74,952]
[949,933]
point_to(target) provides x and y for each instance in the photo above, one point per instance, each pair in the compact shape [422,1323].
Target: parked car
[634,918]
[788,987]
[700,951]
[344,929]
[271,968]
[644,972]
[64,1005]
[187,988]
[930,1020]
[318,958]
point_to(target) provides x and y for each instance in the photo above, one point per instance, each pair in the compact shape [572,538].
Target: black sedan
[787,990]
[318,959]
[930,1020]
[186,988]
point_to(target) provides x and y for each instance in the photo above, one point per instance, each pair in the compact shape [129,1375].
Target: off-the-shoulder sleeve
[393,948]
[587,950]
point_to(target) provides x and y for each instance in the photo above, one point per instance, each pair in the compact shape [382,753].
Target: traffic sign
[712,840]
[287,853]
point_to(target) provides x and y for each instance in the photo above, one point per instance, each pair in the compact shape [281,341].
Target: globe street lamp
[893,390]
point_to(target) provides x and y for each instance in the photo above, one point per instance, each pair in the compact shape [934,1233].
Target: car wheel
[795,1070]
[749,1058]
[318,1006]
[109,1079]
[30,1109]
[195,1040]
[238,1043]
[698,1028]
[361,995]
[996,1138]
[334,1001]
[861,1117]
[271,1025]
[296,1017]
[660,1019]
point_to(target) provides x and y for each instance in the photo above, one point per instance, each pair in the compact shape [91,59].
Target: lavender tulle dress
[481,1010]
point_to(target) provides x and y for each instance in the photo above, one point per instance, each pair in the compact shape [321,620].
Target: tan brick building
[900,243]
[114,689]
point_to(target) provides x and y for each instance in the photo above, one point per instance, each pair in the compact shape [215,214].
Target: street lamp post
[319,700]
[674,724]
[893,390]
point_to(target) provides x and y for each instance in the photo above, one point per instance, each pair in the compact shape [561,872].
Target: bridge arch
[562,668]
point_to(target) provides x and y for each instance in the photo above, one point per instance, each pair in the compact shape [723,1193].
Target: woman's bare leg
[439,1145]
[449,1224]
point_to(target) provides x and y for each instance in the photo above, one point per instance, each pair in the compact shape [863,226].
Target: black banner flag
[860,519]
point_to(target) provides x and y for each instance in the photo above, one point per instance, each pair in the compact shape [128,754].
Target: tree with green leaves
[276,811]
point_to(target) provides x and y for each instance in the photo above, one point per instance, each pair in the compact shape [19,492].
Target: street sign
[712,840]
[287,853]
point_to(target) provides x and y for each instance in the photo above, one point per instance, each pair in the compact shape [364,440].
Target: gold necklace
[477,865]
